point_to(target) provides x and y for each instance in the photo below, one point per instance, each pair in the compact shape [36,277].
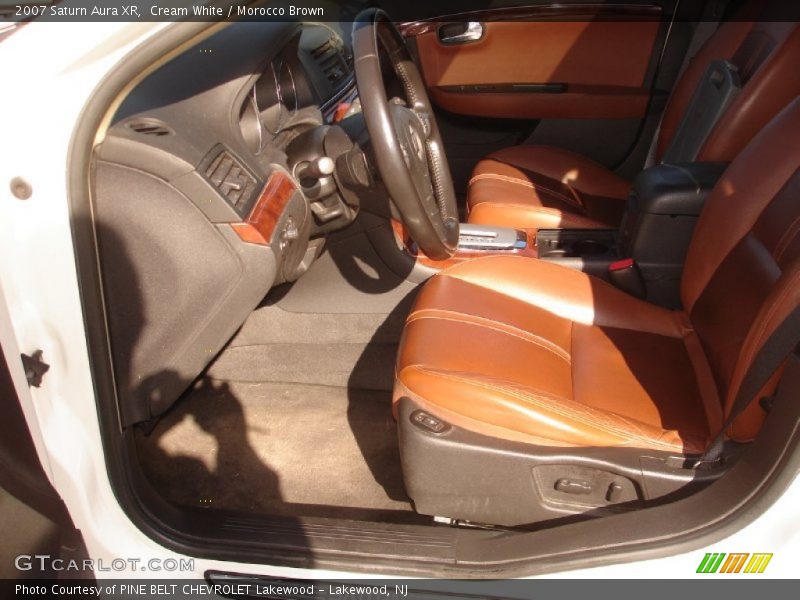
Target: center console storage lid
[679,189]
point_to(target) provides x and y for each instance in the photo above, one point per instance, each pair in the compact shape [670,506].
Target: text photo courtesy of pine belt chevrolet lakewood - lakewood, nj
[349,299]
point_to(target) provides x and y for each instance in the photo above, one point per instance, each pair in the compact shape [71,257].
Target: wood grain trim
[554,12]
[260,225]
[248,233]
[410,248]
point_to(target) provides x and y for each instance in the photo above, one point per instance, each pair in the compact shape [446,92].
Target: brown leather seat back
[742,272]
[765,54]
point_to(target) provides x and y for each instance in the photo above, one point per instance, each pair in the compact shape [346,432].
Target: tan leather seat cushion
[535,187]
[526,350]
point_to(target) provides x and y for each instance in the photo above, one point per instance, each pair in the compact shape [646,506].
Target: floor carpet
[280,449]
[294,417]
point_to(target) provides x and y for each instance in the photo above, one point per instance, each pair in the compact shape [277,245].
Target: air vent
[149,127]
[230,178]
[331,60]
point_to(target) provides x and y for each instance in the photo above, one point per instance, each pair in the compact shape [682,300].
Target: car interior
[491,292]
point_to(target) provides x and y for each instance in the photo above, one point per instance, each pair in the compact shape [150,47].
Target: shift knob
[316,169]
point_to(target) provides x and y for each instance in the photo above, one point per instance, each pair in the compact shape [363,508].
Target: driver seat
[529,359]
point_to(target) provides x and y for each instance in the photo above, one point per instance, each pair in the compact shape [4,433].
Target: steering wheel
[405,139]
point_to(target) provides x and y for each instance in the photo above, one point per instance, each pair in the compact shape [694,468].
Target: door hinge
[35,368]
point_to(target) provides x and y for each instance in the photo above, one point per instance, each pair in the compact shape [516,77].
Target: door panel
[587,77]
[537,70]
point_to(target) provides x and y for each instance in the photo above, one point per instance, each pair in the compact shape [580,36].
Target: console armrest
[663,207]
[675,189]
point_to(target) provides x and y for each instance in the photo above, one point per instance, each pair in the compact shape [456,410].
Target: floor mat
[280,449]
[294,417]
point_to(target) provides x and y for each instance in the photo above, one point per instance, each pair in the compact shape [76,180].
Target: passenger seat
[533,187]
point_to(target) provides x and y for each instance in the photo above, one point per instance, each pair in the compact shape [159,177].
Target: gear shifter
[315,169]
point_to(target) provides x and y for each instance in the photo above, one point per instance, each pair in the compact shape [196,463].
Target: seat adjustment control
[573,486]
[429,422]
[614,493]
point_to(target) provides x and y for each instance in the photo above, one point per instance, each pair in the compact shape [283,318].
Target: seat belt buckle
[625,275]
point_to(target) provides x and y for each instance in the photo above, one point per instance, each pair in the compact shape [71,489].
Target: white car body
[48,72]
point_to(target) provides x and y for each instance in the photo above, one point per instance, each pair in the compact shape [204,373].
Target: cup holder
[588,247]
[589,244]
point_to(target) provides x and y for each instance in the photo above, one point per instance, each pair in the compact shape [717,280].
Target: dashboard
[216,122]
[315,70]
[198,206]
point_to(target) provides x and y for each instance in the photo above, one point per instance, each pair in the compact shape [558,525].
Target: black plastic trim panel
[243,176]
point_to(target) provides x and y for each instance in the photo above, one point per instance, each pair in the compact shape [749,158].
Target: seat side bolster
[782,300]
[510,411]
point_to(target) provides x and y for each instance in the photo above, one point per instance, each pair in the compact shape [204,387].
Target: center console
[483,238]
[474,241]
[588,250]
[644,257]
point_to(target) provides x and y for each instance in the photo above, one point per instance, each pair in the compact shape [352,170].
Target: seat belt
[784,341]
[710,22]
